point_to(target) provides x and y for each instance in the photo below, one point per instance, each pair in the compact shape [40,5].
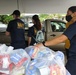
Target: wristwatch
[43,43]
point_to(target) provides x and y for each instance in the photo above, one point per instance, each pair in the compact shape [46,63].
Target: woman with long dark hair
[33,30]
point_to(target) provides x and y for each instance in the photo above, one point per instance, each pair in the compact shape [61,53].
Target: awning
[36,6]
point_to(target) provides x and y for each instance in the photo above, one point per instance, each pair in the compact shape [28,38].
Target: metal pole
[18,4]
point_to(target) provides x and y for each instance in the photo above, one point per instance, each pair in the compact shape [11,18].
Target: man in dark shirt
[16,30]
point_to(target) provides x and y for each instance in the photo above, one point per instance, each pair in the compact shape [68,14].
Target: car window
[25,22]
[58,26]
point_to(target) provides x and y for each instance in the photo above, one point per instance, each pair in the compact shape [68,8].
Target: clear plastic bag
[19,57]
[5,49]
[46,62]
[12,61]
[4,63]
[5,59]
[35,52]
[18,71]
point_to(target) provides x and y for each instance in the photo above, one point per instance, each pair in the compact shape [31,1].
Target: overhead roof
[36,6]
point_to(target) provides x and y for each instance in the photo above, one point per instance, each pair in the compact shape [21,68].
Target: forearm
[29,40]
[56,41]
[7,33]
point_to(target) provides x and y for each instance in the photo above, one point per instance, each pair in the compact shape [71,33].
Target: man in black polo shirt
[16,30]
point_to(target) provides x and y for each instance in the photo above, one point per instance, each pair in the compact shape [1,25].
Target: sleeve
[70,31]
[30,32]
[9,27]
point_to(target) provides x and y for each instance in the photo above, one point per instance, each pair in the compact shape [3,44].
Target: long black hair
[37,21]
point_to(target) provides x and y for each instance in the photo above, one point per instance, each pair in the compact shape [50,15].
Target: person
[16,30]
[33,30]
[53,28]
[69,33]
[67,42]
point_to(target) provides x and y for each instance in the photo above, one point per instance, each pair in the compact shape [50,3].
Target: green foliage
[5,18]
[50,16]
[43,16]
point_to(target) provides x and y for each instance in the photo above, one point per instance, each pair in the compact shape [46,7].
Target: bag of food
[46,62]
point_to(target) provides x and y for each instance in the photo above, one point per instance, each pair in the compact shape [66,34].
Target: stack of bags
[13,62]
[31,61]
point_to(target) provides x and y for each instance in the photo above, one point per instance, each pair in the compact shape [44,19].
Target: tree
[5,18]
[50,16]
[43,17]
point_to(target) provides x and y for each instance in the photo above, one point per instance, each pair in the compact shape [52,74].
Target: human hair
[16,12]
[72,8]
[37,21]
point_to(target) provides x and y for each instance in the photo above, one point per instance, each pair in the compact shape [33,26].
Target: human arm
[30,34]
[68,34]
[7,33]
[54,41]
[8,30]
[29,40]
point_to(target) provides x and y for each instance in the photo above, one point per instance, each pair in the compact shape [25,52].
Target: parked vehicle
[51,28]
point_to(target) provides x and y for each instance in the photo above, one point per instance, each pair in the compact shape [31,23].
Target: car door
[57,27]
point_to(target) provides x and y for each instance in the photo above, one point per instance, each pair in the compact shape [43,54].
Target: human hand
[39,45]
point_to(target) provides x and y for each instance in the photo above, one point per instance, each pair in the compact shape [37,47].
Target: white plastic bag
[4,63]
[13,62]
[5,49]
[35,52]
[46,62]
[19,57]
[18,71]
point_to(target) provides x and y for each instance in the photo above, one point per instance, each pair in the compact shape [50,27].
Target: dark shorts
[71,66]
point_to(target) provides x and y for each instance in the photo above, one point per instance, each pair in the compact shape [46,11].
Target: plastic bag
[19,57]
[4,63]
[35,52]
[46,67]
[46,62]
[12,61]
[5,59]
[19,71]
[5,49]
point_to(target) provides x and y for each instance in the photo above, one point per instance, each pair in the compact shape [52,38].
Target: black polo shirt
[31,33]
[71,34]
[17,31]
